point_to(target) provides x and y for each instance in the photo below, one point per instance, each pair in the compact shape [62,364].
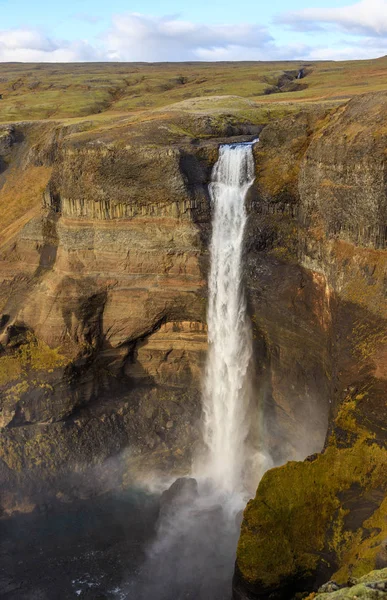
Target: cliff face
[290,304]
[103,327]
[103,311]
[103,302]
[326,517]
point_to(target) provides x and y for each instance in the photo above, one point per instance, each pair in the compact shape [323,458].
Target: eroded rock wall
[103,327]
[326,517]
[103,302]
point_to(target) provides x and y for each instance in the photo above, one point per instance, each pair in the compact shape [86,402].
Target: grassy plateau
[105,90]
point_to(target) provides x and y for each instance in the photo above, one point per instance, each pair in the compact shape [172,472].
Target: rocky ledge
[371,586]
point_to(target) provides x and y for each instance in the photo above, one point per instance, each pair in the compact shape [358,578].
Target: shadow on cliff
[291,345]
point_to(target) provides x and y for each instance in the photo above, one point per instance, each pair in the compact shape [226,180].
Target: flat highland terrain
[59,91]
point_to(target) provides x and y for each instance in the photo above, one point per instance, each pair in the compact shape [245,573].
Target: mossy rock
[370,586]
[32,355]
[356,592]
[29,374]
[298,523]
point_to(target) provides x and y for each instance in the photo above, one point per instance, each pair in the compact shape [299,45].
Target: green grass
[60,91]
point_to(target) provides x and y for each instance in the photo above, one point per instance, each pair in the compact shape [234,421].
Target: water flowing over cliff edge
[227,385]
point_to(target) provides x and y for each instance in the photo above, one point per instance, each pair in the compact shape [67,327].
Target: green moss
[347,417]
[367,340]
[33,355]
[374,576]
[42,357]
[359,590]
[357,287]
[10,369]
[40,451]
[357,555]
[356,592]
[11,454]
[14,393]
[285,528]
[277,176]
[285,245]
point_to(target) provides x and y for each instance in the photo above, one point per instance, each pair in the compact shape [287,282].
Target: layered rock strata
[103,313]
[326,517]
[103,303]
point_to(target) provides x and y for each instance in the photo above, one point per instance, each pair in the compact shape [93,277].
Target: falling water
[226,388]
[193,554]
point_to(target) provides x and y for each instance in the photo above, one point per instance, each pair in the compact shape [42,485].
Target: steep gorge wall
[326,517]
[103,303]
[103,298]
[103,316]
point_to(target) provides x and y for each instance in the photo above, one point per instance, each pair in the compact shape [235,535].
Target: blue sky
[81,30]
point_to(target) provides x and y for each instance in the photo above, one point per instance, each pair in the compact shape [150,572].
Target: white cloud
[30,45]
[137,37]
[268,52]
[366,48]
[367,17]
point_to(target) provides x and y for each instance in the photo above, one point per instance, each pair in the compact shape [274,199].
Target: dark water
[114,547]
[83,550]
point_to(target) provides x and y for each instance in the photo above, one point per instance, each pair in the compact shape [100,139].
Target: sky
[205,30]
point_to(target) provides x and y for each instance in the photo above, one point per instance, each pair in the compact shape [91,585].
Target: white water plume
[227,388]
[193,554]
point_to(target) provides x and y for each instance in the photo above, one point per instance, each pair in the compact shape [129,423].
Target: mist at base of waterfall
[193,553]
[117,547]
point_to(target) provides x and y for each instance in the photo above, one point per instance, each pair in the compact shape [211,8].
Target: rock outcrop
[371,586]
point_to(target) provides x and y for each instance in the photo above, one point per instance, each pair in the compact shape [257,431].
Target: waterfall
[193,555]
[226,393]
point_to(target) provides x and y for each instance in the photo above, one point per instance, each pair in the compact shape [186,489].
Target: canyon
[104,263]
